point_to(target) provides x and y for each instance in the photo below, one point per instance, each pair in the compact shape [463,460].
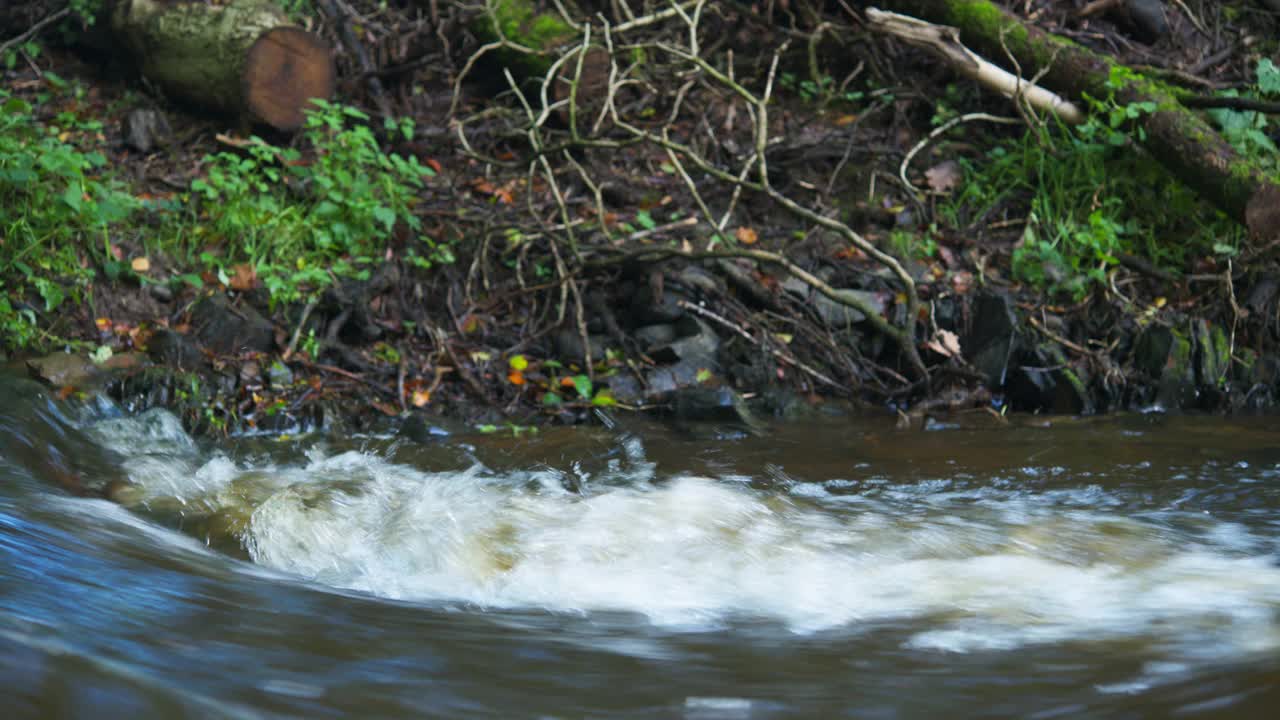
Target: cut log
[1174,135]
[243,58]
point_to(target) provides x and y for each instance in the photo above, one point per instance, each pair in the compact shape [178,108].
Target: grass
[1090,196]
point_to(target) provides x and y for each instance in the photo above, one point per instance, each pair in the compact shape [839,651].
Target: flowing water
[1120,567]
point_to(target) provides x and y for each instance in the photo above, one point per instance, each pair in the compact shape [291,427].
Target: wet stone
[990,342]
[174,350]
[225,328]
[61,369]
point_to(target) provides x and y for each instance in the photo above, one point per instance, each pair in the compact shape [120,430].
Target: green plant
[299,221]
[1088,199]
[1246,130]
[56,206]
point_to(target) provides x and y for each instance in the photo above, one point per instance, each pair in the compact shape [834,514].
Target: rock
[695,277]
[1147,17]
[569,348]
[625,388]
[837,314]
[175,351]
[417,428]
[125,361]
[1047,383]
[145,129]
[698,347]
[990,342]
[651,336]
[63,369]
[226,329]
[1166,357]
[163,293]
[645,311]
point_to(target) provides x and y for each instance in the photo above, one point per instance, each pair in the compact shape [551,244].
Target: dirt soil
[532,324]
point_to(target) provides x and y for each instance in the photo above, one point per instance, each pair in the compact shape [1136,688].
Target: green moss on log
[524,23]
[1179,138]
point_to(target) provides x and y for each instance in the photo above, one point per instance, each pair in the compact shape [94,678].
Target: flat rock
[61,369]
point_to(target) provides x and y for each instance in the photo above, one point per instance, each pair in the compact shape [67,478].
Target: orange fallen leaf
[515,377]
[104,324]
[434,165]
[420,398]
[140,265]
[243,277]
[746,236]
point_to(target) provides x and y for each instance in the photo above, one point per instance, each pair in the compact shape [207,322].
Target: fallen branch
[1176,137]
[945,43]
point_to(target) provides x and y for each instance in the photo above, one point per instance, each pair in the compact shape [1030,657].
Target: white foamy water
[984,569]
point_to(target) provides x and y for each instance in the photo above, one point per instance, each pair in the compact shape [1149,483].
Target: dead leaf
[944,177]
[243,277]
[140,265]
[420,398]
[746,236]
[515,377]
[946,343]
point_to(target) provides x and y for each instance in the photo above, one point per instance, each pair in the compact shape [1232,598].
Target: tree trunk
[1177,137]
[243,58]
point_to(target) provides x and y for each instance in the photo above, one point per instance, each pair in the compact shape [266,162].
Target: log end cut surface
[286,68]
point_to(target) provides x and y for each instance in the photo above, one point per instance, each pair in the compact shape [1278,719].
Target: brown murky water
[1118,567]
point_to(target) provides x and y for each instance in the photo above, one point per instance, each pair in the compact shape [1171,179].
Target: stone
[651,336]
[175,350]
[838,314]
[991,340]
[569,348]
[144,130]
[163,293]
[226,329]
[63,369]
[1166,356]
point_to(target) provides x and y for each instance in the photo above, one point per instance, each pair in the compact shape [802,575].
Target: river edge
[229,363]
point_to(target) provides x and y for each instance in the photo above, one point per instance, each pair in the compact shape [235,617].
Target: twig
[35,29]
[970,117]
[785,357]
[297,332]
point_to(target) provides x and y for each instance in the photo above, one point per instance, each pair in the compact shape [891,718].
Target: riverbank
[1034,271]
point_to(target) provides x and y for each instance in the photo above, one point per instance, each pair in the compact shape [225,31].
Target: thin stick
[35,29]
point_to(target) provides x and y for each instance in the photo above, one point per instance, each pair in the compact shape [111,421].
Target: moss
[520,22]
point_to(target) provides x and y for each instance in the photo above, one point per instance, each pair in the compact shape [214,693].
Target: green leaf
[604,399]
[1268,77]
[551,399]
[72,196]
[518,363]
[100,355]
[583,385]
[646,220]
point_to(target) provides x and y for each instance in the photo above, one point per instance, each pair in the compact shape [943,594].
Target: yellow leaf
[140,265]
[420,398]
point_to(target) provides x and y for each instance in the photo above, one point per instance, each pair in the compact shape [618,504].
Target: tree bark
[243,58]
[1176,136]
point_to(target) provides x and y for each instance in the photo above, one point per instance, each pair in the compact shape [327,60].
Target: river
[1112,567]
